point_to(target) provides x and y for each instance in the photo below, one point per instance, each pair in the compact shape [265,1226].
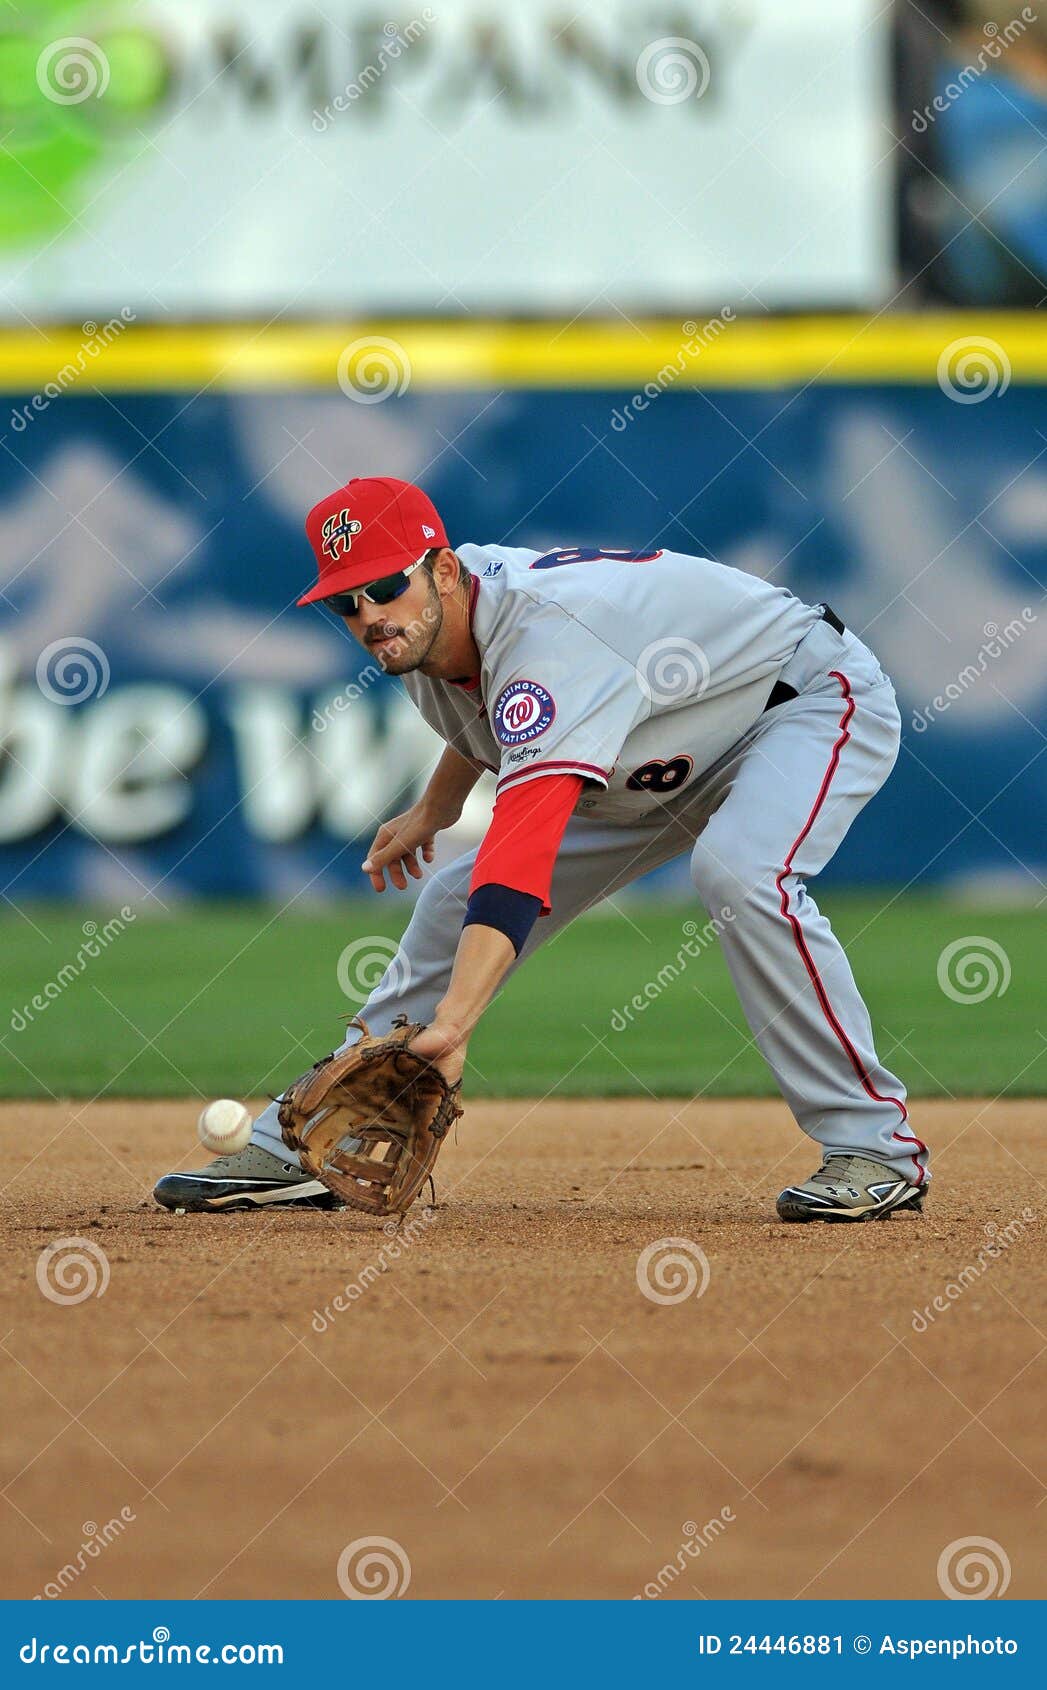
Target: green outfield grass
[235,999]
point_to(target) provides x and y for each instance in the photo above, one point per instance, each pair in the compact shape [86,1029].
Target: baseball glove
[395,1107]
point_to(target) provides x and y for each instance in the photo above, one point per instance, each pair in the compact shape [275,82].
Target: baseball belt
[781,691]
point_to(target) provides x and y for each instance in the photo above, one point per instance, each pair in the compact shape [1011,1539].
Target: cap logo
[430,533]
[338,534]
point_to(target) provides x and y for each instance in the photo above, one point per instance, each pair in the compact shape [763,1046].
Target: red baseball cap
[371,527]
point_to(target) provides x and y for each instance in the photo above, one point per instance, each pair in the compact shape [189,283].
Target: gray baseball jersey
[637,671]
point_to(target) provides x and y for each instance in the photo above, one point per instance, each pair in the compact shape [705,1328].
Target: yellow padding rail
[748,353]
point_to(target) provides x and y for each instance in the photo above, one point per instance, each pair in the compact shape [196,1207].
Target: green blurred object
[69,102]
[236,1000]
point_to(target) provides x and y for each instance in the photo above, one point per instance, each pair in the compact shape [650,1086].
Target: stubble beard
[413,641]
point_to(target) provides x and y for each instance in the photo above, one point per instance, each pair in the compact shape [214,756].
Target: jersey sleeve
[563,705]
[520,846]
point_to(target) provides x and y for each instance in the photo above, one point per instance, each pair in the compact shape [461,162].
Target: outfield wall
[172,723]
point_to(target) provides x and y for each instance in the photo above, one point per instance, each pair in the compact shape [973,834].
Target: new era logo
[430,533]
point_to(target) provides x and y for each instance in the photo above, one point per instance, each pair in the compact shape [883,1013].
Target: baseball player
[634,706]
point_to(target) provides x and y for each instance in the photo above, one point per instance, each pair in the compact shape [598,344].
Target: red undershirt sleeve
[520,846]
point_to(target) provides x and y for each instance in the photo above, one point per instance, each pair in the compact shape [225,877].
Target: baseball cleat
[251,1179]
[849,1188]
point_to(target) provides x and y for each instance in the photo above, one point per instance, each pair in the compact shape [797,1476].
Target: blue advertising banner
[171,722]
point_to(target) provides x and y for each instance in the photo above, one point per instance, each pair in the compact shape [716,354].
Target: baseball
[224,1126]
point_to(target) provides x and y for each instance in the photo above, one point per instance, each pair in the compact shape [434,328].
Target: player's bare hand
[444,1043]
[397,845]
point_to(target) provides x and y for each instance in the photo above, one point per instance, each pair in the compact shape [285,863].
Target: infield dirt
[500,1397]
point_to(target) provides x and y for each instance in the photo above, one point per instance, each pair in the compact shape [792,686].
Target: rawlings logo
[338,534]
[523,711]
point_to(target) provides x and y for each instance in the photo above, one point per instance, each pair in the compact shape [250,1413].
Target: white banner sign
[253,157]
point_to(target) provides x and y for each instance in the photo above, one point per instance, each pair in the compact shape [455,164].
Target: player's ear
[446,571]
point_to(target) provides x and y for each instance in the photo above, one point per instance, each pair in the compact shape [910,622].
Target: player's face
[399,635]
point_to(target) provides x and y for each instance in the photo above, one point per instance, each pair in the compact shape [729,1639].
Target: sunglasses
[384,591]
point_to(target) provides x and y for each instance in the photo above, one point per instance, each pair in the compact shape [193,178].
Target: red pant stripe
[801,943]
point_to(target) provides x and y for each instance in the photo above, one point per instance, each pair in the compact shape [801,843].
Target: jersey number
[659,776]
[584,554]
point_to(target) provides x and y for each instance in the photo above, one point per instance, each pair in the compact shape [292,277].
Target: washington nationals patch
[523,711]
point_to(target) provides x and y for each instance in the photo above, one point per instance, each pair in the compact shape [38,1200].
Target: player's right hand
[396,845]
